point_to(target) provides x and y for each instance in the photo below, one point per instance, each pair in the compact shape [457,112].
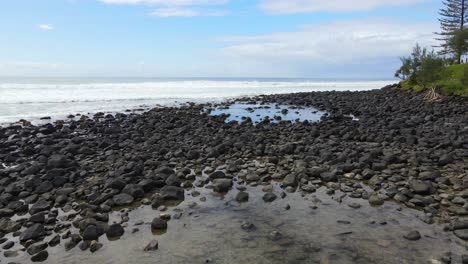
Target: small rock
[70,244]
[269,197]
[91,233]
[462,234]
[289,180]
[158,223]
[275,235]
[222,185]
[246,225]
[41,256]
[375,200]
[10,253]
[354,205]
[84,245]
[36,248]
[329,177]
[94,246]
[420,187]
[54,241]
[122,199]
[242,197]
[412,236]
[8,245]
[152,245]
[464,259]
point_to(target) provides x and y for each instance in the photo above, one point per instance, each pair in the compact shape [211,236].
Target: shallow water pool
[317,228]
[240,111]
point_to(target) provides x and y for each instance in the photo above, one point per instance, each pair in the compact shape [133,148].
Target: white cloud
[175,8]
[341,42]
[166,2]
[183,12]
[174,12]
[46,27]
[309,6]
[30,65]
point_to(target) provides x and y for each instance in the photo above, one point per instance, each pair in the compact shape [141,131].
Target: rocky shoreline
[59,182]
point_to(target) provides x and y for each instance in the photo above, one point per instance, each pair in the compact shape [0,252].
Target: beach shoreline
[399,150]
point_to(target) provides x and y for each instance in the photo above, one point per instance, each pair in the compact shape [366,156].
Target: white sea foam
[31,100]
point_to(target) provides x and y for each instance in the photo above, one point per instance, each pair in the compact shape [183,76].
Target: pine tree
[453,21]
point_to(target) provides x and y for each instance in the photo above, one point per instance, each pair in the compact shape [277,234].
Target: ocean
[33,98]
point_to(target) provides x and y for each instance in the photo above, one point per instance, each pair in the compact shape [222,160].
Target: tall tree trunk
[462,26]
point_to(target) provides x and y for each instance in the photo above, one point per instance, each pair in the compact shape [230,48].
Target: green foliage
[421,68]
[453,80]
[464,77]
[430,70]
[457,43]
[424,69]
[410,65]
[454,87]
[405,70]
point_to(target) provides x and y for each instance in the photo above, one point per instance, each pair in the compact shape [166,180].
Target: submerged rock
[158,224]
[269,197]
[242,197]
[461,233]
[375,200]
[412,235]
[41,256]
[222,185]
[114,231]
[152,245]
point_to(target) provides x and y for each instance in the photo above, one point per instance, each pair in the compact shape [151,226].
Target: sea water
[33,98]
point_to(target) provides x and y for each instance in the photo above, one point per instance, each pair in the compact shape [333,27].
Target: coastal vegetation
[442,71]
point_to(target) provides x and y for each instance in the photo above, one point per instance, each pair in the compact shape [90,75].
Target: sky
[212,38]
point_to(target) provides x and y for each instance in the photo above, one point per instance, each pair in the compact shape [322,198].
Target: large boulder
[269,197]
[158,224]
[122,199]
[222,185]
[172,193]
[134,190]
[329,177]
[289,180]
[58,161]
[40,257]
[174,180]
[6,212]
[45,186]
[117,184]
[218,175]
[8,226]
[420,187]
[114,231]
[33,232]
[92,232]
[39,206]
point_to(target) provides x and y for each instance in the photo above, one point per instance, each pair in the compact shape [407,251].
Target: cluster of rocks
[402,147]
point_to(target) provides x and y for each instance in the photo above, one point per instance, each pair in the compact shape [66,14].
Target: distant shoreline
[32,101]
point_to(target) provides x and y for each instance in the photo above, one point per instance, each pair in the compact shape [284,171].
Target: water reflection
[257,112]
[317,228]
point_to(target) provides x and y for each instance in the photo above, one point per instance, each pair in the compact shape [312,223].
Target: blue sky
[212,38]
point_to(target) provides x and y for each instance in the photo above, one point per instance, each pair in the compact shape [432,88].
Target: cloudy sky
[212,38]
